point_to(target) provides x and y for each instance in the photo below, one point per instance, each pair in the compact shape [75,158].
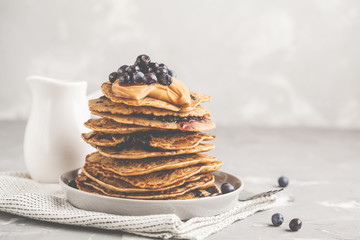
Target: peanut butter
[176,93]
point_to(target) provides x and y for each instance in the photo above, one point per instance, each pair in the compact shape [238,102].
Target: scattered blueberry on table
[226,188]
[283,181]
[295,224]
[277,219]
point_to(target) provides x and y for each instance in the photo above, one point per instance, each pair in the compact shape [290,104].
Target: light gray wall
[266,63]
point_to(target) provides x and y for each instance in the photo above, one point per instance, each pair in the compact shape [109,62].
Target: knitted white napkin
[46,202]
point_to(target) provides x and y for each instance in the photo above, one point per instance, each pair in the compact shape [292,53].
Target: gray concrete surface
[322,165]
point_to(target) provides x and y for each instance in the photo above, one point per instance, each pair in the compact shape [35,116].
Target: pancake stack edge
[147,150]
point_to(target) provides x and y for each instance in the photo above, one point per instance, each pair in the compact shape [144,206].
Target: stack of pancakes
[148,149]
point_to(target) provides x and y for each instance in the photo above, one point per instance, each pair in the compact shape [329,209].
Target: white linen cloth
[46,202]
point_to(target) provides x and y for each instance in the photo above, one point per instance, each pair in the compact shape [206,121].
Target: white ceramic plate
[185,209]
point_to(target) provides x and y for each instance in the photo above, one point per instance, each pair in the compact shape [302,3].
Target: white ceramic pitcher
[52,142]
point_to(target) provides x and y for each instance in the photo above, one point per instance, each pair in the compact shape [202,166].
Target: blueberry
[131,69]
[283,181]
[132,78]
[163,65]
[161,70]
[295,224]
[142,60]
[136,68]
[171,119]
[227,187]
[277,219]
[139,77]
[164,79]
[122,68]
[150,78]
[172,73]
[154,65]
[124,78]
[113,76]
[146,69]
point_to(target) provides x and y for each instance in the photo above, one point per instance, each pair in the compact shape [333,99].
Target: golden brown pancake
[205,181]
[164,178]
[193,194]
[143,152]
[179,140]
[116,184]
[103,139]
[104,104]
[164,140]
[80,179]
[106,125]
[131,167]
[197,98]
[192,125]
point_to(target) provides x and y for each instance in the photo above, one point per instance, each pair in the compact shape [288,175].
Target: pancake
[133,167]
[103,139]
[193,194]
[164,140]
[116,184]
[164,178]
[205,181]
[140,152]
[192,125]
[110,126]
[180,140]
[104,104]
[80,179]
[197,98]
